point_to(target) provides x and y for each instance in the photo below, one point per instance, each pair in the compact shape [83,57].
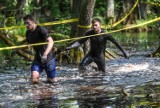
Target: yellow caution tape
[59,22]
[115,24]
[76,38]
[43,24]
[81,26]
[156,4]
[12,27]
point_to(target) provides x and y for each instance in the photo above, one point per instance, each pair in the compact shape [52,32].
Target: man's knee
[35,74]
[34,77]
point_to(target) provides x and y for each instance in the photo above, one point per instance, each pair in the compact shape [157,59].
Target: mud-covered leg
[82,66]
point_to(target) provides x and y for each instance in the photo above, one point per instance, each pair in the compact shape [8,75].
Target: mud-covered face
[96,27]
[29,24]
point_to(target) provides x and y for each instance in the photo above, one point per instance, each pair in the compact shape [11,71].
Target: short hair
[29,17]
[96,20]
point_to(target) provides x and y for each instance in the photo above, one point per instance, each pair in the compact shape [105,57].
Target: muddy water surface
[132,83]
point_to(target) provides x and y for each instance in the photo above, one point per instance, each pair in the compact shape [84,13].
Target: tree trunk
[85,16]
[110,10]
[131,19]
[19,6]
[143,10]
[157,52]
[86,13]
[75,7]
[127,5]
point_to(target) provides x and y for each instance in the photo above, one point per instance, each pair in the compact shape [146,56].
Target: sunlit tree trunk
[110,10]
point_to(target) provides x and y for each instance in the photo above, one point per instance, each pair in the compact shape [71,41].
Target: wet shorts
[50,68]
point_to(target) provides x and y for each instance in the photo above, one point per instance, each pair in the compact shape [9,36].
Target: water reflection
[138,43]
[50,102]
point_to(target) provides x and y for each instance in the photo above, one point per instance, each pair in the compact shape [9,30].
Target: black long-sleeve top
[98,43]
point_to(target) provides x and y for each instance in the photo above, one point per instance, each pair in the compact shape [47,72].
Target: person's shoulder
[40,28]
[90,32]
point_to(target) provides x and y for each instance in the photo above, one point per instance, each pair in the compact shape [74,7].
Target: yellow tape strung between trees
[59,22]
[156,4]
[75,20]
[84,26]
[115,24]
[43,24]
[36,44]
[12,27]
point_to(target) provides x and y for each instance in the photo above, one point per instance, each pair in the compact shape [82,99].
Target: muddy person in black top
[44,54]
[97,46]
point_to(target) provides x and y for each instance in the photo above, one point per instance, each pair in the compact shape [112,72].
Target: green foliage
[58,36]
[4,53]
[10,21]
[8,4]
[118,6]
[152,1]
[15,34]
[100,8]
[20,31]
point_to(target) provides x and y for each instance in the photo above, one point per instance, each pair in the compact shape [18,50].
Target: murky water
[132,83]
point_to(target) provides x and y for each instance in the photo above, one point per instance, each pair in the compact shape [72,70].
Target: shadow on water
[132,83]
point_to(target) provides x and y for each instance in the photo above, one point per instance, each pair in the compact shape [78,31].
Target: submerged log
[110,55]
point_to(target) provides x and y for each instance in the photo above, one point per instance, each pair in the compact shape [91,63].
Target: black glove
[44,59]
[76,44]
[68,48]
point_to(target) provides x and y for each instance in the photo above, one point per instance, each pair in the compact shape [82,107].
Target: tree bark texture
[110,8]
[143,10]
[19,6]
[75,7]
[86,13]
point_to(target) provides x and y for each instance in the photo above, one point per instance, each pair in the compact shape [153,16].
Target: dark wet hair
[96,20]
[29,17]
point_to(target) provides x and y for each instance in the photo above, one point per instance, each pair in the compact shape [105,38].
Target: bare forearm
[49,46]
